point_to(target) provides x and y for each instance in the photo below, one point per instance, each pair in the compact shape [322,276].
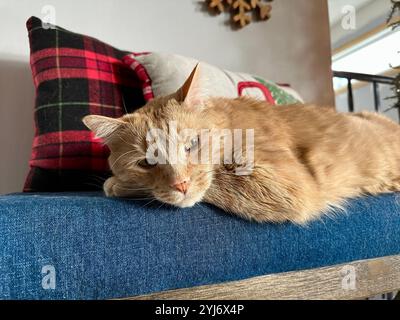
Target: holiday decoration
[396,90]
[394,22]
[394,16]
[242,11]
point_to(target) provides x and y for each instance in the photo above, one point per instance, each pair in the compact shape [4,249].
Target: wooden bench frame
[353,280]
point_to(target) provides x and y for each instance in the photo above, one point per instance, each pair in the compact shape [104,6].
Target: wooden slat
[372,277]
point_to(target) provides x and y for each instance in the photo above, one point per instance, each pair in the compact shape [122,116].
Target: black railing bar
[350,95]
[377,99]
[363,77]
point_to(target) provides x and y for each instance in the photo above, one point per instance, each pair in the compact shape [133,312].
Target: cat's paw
[110,186]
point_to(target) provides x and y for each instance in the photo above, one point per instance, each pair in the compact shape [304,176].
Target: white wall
[292,47]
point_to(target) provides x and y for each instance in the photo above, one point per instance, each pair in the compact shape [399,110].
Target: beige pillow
[162,73]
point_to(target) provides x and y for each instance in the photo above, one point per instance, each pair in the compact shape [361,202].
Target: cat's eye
[146,164]
[194,143]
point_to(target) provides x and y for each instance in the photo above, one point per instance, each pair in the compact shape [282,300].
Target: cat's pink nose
[181,186]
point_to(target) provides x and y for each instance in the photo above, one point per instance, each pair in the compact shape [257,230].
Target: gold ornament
[242,10]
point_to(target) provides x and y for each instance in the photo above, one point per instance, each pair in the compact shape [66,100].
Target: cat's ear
[103,127]
[191,91]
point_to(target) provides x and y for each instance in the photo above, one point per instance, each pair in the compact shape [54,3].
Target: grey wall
[293,47]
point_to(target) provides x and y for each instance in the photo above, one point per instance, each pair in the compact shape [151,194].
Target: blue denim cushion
[109,248]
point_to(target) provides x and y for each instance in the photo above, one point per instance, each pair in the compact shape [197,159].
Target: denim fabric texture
[97,247]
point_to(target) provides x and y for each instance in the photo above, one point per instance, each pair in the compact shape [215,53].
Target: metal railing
[375,80]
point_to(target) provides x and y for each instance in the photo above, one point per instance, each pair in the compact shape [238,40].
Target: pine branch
[392,21]
[395,23]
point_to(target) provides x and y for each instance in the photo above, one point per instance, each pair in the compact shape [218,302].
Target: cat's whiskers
[133,189]
[132,127]
[98,179]
[162,204]
[120,157]
[146,204]
[211,171]
[128,143]
[124,104]
[177,209]
[229,173]
[98,186]
[137,199]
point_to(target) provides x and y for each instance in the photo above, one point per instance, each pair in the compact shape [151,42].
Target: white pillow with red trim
[161,74]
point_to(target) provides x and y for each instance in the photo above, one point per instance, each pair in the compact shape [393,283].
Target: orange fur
[307,158]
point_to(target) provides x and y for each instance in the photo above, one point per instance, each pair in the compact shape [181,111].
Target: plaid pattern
[141,73]
[74,75]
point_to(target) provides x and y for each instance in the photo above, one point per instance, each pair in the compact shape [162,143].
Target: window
[374,55]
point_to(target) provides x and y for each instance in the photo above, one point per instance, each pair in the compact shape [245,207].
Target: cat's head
[169,167]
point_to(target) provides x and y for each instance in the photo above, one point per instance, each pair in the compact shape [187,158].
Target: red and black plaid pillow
[74,75]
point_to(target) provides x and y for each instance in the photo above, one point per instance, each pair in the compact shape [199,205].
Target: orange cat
[301,159]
